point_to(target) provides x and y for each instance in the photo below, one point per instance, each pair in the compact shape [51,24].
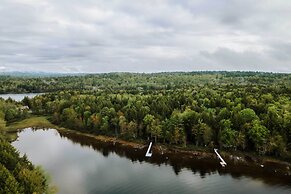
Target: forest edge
[234,159]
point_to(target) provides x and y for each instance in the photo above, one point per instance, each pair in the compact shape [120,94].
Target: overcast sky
[145,35]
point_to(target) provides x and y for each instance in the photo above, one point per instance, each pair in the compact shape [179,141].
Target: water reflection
[208,165]
[78,164]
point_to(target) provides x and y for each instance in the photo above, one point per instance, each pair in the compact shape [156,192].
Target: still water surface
[78,168]
[18,97]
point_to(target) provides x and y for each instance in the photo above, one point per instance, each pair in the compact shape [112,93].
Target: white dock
[223,163]
[149,154]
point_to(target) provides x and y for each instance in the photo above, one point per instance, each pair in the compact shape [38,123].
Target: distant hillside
[34,74]
[17,82]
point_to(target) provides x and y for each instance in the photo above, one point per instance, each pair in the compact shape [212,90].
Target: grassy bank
[34,121]
[43,122]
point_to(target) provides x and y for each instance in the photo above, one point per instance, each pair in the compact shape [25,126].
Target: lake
[80,165]
[19,97]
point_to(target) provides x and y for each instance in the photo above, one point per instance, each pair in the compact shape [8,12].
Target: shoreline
[163,152]
[272,172]
[245,159]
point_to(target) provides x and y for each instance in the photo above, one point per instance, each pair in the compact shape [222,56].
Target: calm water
[18,97]
[78,166]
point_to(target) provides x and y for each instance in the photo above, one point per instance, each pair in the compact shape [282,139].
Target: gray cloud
[144,36]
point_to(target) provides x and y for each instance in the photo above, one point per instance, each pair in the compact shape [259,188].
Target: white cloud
[144,36]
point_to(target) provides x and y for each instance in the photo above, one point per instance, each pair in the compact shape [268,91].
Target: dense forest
[245,111]
[17,174]
[137,81]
